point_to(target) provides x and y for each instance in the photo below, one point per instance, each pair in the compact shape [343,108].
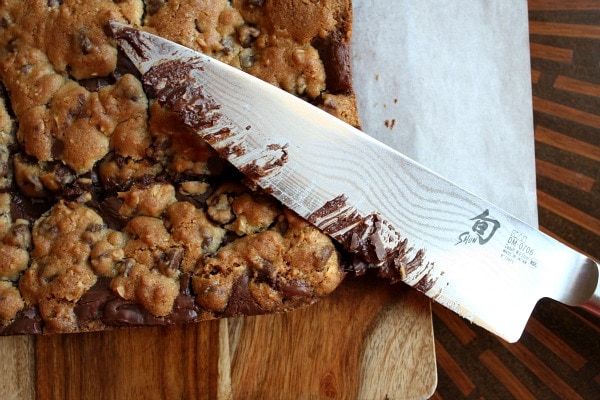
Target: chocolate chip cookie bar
[112,212]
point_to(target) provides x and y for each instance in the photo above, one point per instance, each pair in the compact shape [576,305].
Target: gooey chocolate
[112,213]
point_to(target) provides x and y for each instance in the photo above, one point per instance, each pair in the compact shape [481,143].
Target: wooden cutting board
[367,340]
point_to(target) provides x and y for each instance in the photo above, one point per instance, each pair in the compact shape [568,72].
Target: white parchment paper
[448,83]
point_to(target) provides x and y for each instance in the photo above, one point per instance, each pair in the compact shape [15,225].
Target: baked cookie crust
[112,212]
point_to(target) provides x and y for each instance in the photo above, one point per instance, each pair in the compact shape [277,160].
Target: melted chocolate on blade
[131,36]
[172,85]
[376,242]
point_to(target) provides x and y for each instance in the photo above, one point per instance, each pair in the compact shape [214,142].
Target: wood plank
[454,371]
[17,369]
[554,344]
[576,5]
[564,30]
[542,371]
[582,317]
[144,363]
[591,324]
[568,212]
[436,396]
[566,112]
[562,240]
[367,340]
[505,376]
[577,86]
[551,53]
[535,76]
[565,176]
[567,143]
[456,324]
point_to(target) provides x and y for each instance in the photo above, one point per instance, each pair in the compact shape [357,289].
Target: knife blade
[458,249]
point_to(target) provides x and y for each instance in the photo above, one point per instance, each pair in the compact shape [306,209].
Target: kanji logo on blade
[483,229]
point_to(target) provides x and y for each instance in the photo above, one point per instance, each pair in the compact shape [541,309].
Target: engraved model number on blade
[483,229]
[517,250]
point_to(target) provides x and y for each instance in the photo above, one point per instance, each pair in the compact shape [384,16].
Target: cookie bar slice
[112,213]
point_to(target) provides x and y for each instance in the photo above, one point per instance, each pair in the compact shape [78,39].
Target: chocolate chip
[11,46]
[87,183]
[122,313]
[326,253]
[78,110]
[185,310]
[84,42]
[125,266]
[4,162]
[119,312]
[335,54]
[283,225]
[229,237]
[94,228]
[265,273]
[57,177]
[216,165]
[26,69]
[198,200]
[152,6]
[125,66]
[295,288]
[158,150]
[95,84]
[57,149]
[255,3]
[22,207]
[91,305]
[185,283]
[19,235]
[247,34]
[120,160]
[4,23]
[27,322]
[49,279]
[247,58]
[109,211]
[227,43]
[55,3]
[27,173]
[241,301]
[3,92]
[170,261]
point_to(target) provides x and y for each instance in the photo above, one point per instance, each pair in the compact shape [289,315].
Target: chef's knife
[458,249]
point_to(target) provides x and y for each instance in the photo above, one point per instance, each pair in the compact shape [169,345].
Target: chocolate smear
[172,85]
[374,242]
[27,322]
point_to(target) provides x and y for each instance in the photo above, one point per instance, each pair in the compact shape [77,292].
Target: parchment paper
[448,83]
[452,80]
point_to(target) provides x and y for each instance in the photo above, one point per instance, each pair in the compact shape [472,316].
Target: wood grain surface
[17,373]
[146,363]
[367,340]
